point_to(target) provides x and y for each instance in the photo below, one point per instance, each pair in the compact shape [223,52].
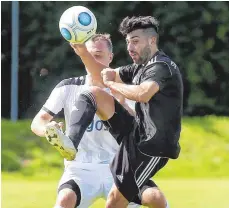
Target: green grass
[204,149]
[181,193]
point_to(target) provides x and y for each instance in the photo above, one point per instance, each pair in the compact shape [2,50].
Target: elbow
[144,98]
[36,130]
[33,127]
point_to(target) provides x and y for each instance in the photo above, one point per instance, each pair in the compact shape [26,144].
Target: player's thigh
[108,183]
[121,123]
[88,183]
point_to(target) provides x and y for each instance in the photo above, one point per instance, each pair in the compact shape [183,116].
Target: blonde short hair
[105,37]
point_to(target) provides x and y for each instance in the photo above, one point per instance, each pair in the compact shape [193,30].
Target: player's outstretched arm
[139,93]
[153,79]
[94,67]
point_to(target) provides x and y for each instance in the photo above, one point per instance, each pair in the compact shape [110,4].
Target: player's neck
[153,52]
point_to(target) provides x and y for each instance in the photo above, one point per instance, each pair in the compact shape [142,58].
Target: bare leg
[66,199]
[153,198]
[115,199]
[94,100]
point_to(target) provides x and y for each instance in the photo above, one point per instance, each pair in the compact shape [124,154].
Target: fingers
[72,45]
[77,45]
[59,125]
[104,71]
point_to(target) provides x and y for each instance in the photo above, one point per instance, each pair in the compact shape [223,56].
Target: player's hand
[80,49]
[108,76]
[59,125]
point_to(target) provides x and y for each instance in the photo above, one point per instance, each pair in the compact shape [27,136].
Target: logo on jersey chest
[96,125]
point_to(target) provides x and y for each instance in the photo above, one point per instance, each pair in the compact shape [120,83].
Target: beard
[144,55]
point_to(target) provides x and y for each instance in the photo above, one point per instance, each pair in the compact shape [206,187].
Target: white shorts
[94,181]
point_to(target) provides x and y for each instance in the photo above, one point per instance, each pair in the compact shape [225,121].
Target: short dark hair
[106,37]
[130,24]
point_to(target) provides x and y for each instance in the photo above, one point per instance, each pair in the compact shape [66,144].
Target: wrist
[84,53]
[109,83]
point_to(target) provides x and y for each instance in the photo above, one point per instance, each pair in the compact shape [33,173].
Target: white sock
[167,204]
[58,206]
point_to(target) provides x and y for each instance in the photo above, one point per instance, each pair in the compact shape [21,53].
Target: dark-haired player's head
[141,35]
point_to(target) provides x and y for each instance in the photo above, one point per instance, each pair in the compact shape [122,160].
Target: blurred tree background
[194,34]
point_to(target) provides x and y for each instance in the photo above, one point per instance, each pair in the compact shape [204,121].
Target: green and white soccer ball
[77,24]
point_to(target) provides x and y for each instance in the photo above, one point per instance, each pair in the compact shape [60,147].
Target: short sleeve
[159,73]
[55,102]
[126,73]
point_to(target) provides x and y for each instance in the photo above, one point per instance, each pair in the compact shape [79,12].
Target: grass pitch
[181,193]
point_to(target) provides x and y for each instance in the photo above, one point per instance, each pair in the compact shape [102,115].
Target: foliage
[204,142]
[24,151]
[194,34]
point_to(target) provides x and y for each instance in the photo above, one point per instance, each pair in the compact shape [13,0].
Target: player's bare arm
[94,67]
[41,120]
[139,93]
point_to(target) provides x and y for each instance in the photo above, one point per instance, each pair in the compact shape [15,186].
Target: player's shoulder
[75,81]
[159,57]
[128,67]
[161,60]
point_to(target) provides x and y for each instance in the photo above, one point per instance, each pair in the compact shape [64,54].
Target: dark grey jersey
[161,116]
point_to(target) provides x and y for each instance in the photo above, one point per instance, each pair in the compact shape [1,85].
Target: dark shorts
[131,168]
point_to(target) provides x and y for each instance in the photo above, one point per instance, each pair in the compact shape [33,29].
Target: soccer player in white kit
[88,176]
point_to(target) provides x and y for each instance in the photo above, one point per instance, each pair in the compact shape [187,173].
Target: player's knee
[96,91]
[116,200]
[99,93]
[67,198]
[153,198]
[105,110]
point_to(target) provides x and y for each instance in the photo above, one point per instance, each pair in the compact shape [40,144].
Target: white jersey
[97,144]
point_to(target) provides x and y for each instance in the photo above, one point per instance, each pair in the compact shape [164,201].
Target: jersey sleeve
[126,73]
[55,102]
[131,104]
[159,73]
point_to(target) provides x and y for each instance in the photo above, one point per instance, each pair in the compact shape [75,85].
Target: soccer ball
[77,24]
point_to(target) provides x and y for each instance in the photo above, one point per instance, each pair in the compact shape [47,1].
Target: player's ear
[153,40]
[111,57]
